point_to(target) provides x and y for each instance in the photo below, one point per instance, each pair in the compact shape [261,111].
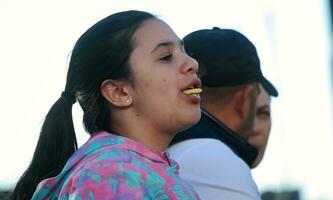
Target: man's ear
[242,101]
[116,92]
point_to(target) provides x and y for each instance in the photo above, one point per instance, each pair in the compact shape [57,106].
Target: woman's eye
[166,58]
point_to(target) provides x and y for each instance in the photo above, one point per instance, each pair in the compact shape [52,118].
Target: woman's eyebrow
[170,43]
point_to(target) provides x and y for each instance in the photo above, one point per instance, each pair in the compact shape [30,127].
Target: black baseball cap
[226,58]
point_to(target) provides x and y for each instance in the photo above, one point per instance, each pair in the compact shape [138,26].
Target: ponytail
[56,143]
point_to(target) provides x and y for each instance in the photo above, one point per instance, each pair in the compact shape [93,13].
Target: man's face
[262,125]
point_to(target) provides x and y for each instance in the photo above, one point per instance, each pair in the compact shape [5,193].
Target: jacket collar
[211,127]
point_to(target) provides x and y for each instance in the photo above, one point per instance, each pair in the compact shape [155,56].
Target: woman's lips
[192,91]
[192,98]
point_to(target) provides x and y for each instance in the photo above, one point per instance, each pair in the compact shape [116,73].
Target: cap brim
[268,86]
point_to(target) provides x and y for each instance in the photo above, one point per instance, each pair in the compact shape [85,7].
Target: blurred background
[293,39]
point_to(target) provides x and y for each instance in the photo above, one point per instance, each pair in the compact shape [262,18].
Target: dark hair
[101,53]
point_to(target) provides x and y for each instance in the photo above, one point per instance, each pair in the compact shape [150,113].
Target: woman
[262,125]
[137,88]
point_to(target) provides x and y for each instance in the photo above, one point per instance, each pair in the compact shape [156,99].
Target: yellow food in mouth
[193,91]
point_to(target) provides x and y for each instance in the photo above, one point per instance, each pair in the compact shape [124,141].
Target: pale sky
[292,39]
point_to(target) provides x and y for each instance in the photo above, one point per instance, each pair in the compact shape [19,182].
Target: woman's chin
[192,120]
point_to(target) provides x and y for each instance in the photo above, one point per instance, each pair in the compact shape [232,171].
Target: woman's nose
[190,65]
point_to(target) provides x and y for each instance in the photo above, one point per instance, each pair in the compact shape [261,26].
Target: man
[214,155]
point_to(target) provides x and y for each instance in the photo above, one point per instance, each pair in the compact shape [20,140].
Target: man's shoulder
[210,162]
[202,150]
[199,143]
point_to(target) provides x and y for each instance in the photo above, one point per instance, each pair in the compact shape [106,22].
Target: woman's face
[262,125]
[161,72]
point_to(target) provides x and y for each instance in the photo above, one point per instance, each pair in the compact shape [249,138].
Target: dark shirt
[210,127]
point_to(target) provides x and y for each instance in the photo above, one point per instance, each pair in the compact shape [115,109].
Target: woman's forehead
[154,32]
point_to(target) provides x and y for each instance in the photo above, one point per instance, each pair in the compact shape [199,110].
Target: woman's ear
[242,101]
[116,92]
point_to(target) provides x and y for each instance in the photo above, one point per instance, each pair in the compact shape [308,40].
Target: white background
[292,39]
